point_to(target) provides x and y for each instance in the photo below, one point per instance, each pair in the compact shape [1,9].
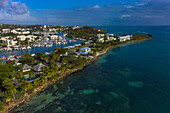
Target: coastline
[41,88]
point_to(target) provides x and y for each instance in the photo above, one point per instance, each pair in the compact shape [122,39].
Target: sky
[86,12]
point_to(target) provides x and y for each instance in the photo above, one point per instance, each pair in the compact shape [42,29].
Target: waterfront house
[111,38]
[85,50]
[9,41]
[4,39]
[26,68]
[38,67]
[122,39]
[125,38]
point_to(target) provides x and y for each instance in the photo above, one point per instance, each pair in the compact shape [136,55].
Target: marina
[41,46]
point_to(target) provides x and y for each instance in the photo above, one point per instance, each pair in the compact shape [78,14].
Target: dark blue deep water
[134,78]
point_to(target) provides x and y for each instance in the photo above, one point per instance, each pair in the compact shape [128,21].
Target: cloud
[125,16]
[15,12]
[3,3]
[139,12]
[129,13]
[96,6]
[143,12]
[18,8]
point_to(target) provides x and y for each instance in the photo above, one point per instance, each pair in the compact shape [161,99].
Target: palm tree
[12,91]
[31,74]
[9,86]
[44,70]
[36,82]
[42,79]
[18,75]
[49,74]
[54,57]
[26,85]
[56,68]
[57,57]
[7,82]
[46,58]
[63,69]
[6,96]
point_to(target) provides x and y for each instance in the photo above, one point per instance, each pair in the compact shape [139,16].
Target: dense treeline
[85,32]
[142,36]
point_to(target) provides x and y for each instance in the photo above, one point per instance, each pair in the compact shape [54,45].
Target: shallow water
[130,79]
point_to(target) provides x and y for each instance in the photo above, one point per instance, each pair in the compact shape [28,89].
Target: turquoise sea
[133,78]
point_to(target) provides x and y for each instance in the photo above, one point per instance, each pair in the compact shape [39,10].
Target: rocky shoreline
[26,97]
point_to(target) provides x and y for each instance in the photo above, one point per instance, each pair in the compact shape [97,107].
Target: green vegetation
[14,85]
[27,59]
[85,32]
[141,36]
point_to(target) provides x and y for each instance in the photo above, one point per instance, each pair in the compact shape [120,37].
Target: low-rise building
[23,37]
[6,30]
[100,35]
[24,32]
[54,37]
[38,67]
[125,38]
[14,31]
[26,68]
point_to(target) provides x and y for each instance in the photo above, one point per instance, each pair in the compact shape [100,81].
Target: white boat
[23,48]
[16,48]
[9,49]
[29,48]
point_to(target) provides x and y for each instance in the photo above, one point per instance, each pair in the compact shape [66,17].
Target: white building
[111,38]
[6,30]
[53,37]
[45,26]
[30,37]
[4,39]
[125,38]
[14,31]
[22,37]
[24,32]
[76,27]
[11,43]
[100,35]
